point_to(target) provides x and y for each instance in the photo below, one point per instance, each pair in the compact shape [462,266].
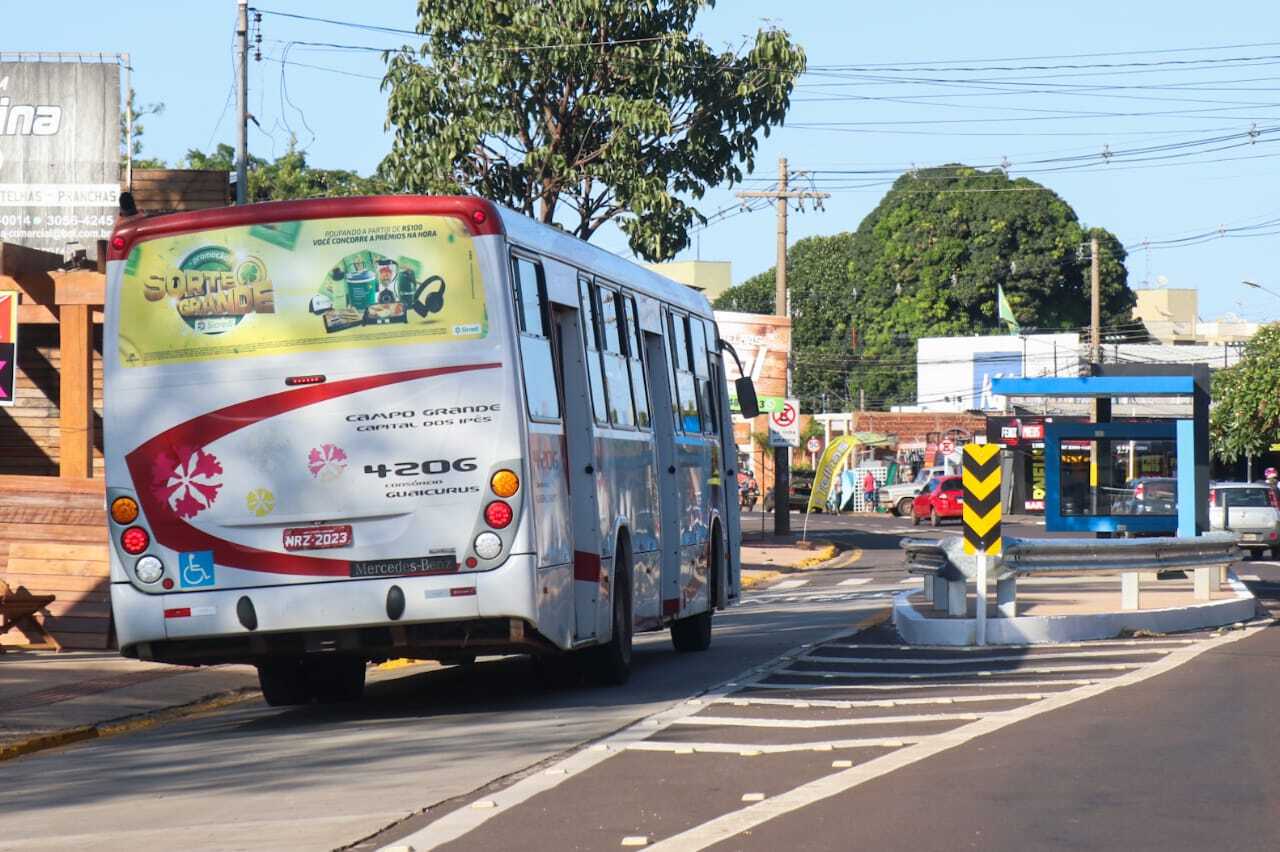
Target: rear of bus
[313,438]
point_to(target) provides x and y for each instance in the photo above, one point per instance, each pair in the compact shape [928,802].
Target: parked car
[798,498]
[1149,495]
[898,498]
[1251,510]
[942,497]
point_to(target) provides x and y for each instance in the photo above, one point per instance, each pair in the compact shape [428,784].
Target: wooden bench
[19,608]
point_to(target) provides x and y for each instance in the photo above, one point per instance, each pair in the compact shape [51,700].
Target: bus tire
[284,682]
[610,664]
[693,634]
[336,680]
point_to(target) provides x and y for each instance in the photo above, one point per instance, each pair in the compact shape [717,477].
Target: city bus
[339,431]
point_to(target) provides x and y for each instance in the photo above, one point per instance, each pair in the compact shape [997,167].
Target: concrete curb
[916,629]
[125,725]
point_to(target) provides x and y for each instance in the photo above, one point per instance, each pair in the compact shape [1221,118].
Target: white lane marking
[775,748]
[744,722]
[895,687]
[984,673]
[855,581]
[744,819]
[463,820]
[908,581]
[789,584]
[893,702]
[986,649]
[1249,578]
[972,660]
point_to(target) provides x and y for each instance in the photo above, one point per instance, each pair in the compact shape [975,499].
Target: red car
[940,498]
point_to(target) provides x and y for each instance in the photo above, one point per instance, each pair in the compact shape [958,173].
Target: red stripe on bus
[586,566]
[181,612]
[198,432]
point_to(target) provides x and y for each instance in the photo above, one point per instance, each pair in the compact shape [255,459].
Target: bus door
[580,446]
[657,361]
[729,477]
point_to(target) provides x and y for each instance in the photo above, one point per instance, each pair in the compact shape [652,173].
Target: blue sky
[1216,76]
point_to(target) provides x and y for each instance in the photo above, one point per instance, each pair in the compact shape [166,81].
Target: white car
[1251,510]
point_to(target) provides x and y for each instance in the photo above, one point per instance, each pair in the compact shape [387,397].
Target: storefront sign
[59,152]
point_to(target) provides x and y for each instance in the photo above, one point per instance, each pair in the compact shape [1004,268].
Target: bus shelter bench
[18,608]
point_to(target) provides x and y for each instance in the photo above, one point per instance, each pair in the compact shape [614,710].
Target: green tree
[583,111]
[1245,417]
[288,176]
[131,134]
[926,262]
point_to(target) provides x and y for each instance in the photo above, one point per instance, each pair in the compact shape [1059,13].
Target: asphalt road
[795,731]
[254,777]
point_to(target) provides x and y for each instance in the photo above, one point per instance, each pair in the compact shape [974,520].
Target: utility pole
[782,197]
[242,101]
[1095,304]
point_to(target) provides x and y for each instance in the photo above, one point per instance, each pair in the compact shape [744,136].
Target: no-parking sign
[784,425]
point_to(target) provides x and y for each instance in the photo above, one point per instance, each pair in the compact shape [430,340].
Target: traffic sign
[784,425]
[813,445]
[947,446]
[980,479]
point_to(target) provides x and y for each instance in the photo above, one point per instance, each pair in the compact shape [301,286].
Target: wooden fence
[53,541]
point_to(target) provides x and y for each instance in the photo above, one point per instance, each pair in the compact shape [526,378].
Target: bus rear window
[288,287]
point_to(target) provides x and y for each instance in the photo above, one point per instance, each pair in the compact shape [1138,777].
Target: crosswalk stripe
[970,660]
[857,675]
[855,581]
[745,722]
[789,584]
[986,683]
[776,748]
[851,703]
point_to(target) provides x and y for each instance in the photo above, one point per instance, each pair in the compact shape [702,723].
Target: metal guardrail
[948,569]
[1111,555]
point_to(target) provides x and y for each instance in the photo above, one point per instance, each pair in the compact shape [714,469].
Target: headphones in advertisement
[429,303]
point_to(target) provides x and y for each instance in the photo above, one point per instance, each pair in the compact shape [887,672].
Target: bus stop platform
[1075,609]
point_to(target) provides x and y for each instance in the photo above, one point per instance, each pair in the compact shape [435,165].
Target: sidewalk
[765,557]
[48,699]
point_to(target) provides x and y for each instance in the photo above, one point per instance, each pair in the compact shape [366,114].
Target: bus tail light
[498,514]
[135,540]
[124,510]
[505,483]
[488,545]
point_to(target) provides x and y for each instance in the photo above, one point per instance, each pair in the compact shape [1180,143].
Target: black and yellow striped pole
[980,479]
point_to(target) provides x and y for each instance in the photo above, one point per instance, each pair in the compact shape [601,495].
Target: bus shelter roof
[1095,386]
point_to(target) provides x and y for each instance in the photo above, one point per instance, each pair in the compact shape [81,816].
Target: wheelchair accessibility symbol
[196,569]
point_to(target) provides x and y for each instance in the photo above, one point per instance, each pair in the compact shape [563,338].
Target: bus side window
[709,386]
[535,345]
[635,359]
[686,400]
[617,385]
[591,338]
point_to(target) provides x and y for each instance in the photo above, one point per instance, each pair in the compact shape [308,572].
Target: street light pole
[1255,285]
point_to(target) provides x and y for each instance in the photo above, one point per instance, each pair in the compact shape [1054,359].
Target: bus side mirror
[748,405]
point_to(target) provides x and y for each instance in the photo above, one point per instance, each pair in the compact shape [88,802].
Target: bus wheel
[694,633]
[283,682]
[334,680]
[610,664]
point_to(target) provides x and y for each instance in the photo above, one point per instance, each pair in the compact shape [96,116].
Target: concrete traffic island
[1069,590]
[1073,609]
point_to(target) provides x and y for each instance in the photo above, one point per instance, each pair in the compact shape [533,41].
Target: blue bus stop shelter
[1191,437]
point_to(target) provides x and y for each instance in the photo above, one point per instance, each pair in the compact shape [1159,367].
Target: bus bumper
[482,612]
